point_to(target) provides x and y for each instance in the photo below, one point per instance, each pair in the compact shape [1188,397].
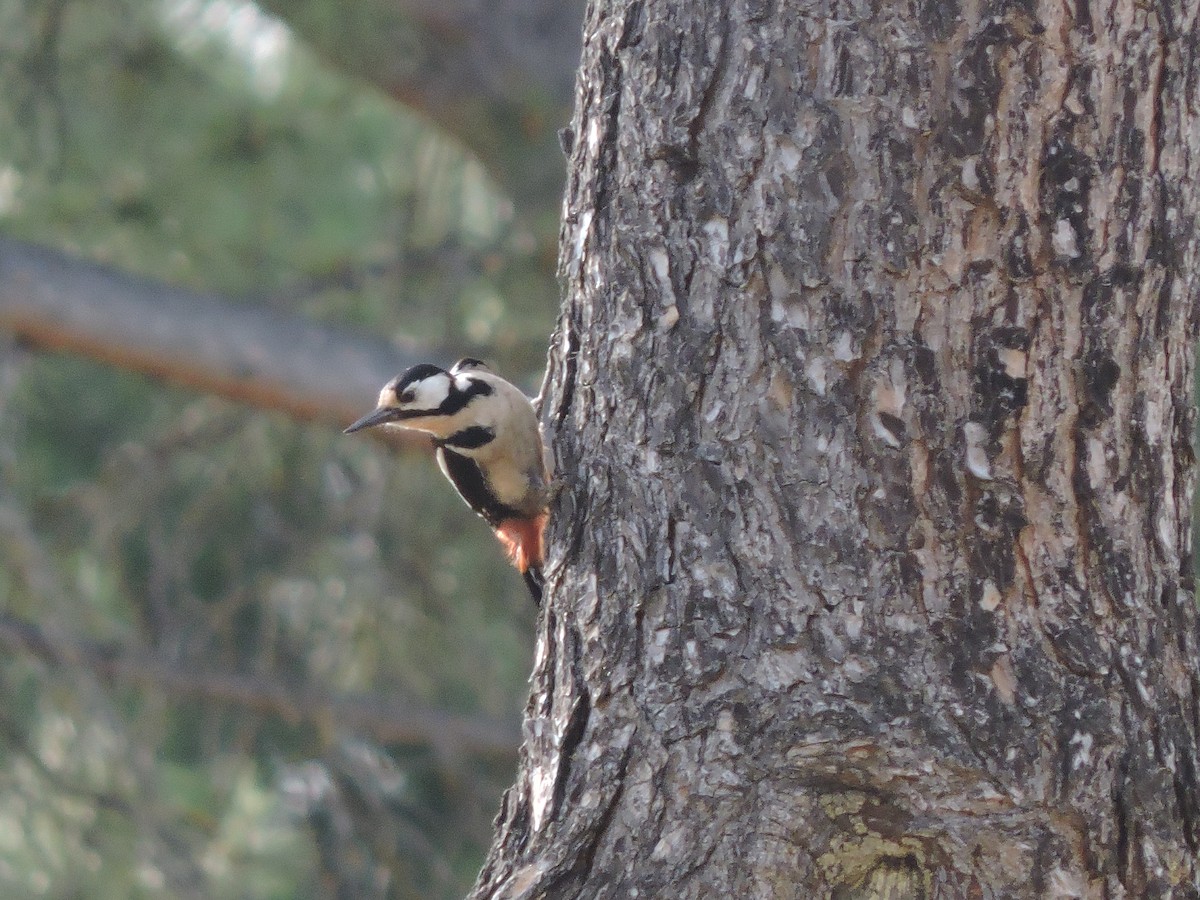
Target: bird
[488,445]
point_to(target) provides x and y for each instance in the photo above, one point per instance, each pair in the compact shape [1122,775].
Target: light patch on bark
[977,459]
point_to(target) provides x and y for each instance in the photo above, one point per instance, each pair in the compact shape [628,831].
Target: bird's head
[415,394]
[427,398]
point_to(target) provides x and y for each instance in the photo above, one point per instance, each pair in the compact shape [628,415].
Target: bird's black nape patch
[468,479]
[467,363]
[416,373]
[460,397]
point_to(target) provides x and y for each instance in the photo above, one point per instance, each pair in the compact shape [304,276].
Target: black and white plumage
[488,446]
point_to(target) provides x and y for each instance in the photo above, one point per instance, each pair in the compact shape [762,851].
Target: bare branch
[383,718]
[499,77]
[241,352]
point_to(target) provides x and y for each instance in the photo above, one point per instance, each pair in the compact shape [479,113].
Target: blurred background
[241,655]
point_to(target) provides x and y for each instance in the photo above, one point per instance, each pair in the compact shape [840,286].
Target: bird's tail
[534,580]
[522,540]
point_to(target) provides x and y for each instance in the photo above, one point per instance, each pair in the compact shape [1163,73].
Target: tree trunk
[872,399]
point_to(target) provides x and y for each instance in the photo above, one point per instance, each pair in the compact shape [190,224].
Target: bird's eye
[407,397]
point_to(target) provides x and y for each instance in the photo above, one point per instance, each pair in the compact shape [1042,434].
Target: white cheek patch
[430,392]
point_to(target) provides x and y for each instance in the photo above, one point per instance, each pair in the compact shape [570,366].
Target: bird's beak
[371,419]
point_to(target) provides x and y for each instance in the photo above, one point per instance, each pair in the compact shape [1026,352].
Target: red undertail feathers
[522,540]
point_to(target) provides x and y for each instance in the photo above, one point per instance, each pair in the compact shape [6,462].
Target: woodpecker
[488,446]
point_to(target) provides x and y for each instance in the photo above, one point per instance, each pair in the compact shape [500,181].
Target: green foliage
[194,564]
[66,402]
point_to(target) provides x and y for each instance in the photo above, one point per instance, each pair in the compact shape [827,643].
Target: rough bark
[871,574]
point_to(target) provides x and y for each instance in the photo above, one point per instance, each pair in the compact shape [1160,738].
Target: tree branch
[201,341]
[497,76]
[385,719]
